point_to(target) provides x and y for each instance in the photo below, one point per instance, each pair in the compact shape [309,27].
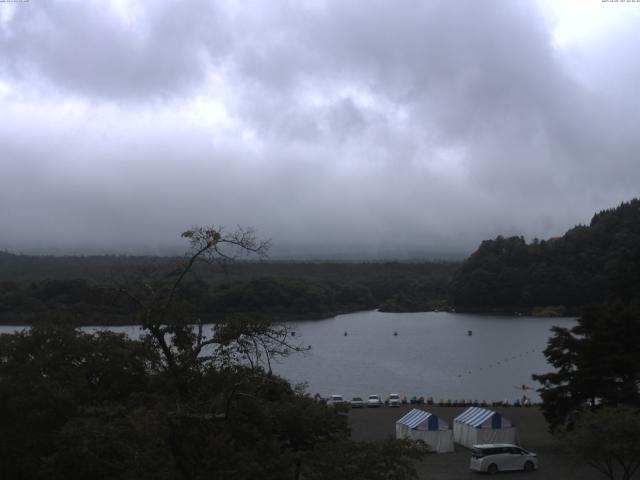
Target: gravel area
[372,424]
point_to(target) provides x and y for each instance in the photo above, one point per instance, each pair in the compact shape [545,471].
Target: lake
[432,355]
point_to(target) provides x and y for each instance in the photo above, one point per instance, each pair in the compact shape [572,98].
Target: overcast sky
[394,128]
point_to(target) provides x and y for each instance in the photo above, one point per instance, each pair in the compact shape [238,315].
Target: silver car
[336,400]
[498,457]
[394,400]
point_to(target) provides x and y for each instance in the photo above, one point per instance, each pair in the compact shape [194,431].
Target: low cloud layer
[401,129]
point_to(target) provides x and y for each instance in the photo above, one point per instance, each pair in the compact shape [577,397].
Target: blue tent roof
[416,417]
[476,416]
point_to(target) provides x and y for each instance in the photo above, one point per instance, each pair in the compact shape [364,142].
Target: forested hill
[589,264]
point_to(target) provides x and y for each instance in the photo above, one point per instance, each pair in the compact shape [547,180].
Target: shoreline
[120,320]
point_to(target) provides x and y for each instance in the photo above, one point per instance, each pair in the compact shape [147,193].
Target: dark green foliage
[103,269]
[100,268]
[182,402]
[592,399]
[21,302]
[597,363]
[389,460]
[48,375]
[608,439]
[97,406]
[275,291]
[287,297]
[115,441]
[587,265]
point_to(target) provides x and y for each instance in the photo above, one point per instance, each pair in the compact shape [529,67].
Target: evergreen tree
[597,363]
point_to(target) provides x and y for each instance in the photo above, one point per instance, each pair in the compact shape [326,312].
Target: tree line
[287,292]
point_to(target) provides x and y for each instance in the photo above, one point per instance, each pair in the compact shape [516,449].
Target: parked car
[374,401]
[497,457]
[394,400]
[336,400]
[357,402]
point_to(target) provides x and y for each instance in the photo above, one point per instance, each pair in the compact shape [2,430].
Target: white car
[357,402]
[336,400]
[374,401]
[394,400]
[498,457]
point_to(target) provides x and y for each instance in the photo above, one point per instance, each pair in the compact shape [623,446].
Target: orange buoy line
[503,361]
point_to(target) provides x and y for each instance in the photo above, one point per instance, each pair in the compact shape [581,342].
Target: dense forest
[90,288]
[560,275]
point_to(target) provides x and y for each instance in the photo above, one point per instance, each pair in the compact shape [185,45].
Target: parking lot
[370,424]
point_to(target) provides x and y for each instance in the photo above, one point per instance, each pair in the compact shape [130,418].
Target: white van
[499,457]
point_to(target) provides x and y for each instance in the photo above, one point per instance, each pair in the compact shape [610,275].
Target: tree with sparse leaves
[183,403]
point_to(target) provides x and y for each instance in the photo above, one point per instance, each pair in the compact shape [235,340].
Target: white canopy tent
[478,425]
[425,426]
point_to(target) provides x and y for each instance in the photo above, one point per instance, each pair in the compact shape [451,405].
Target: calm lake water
[432,355]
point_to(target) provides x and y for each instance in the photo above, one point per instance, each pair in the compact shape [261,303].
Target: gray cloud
[85,48]
[403,127]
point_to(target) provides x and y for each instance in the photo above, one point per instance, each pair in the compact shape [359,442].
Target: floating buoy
[469,332]
[345,334]
[395,334]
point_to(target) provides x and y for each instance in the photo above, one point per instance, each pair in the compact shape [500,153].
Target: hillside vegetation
[87,287]
[587,265]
